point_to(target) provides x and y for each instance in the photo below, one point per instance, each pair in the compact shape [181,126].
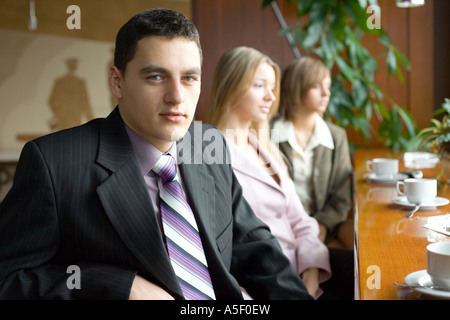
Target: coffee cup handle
[369,165]
[401,183]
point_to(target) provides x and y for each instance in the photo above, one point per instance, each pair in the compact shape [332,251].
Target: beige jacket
[332,176]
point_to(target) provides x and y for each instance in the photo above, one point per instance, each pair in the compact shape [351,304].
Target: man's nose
[174,94]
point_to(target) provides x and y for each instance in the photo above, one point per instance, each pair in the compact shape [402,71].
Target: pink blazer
[280,208]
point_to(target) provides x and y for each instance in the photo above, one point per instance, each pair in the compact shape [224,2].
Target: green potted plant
[436,137]
[334,30]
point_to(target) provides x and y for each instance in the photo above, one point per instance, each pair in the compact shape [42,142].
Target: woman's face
[256,104]
[317,97]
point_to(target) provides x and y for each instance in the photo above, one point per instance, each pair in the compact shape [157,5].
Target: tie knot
[166,168]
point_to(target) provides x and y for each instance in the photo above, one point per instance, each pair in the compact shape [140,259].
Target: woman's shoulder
[335,130]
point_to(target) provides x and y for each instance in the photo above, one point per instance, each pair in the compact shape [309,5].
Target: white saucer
[422,278]
[420,160]
[387,179]
[438,201]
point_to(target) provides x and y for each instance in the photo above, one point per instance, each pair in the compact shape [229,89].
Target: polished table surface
[388,245]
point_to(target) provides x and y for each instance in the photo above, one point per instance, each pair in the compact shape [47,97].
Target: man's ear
[115,82]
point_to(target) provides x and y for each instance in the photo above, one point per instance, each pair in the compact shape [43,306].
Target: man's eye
[190,78]
[154,77]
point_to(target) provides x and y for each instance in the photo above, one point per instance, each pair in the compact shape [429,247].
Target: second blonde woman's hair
[298,77]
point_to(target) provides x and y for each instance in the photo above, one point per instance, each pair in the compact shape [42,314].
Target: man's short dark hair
[155,22]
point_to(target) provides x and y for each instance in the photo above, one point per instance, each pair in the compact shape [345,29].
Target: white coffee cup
[438,264]
[418,190]
[382,166]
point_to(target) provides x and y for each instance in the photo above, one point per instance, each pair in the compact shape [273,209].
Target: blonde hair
[298,77]
[232,79]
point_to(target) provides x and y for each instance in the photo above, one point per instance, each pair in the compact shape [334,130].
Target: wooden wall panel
[100,19]
[228,23]
[394,20]
[421,53]
[441,52]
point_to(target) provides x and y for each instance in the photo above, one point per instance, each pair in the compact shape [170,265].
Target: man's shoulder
[199,125]
[73,134]
[203,144]
[203,132]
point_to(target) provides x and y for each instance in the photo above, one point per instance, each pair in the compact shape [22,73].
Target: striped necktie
[182,238]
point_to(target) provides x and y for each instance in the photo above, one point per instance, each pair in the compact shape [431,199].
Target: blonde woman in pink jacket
[244,96]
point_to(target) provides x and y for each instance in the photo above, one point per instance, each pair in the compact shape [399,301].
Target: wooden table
[388,245]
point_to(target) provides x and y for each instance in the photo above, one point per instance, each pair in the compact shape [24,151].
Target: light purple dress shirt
[147,156]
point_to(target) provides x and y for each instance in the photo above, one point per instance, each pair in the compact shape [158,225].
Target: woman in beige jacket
[317,151]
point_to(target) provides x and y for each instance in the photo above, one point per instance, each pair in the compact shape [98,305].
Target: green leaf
[338,22]
[382,110]
[443,138]
[399,74]
[313,33]
[358,15]
[363,3]
[265,3]
[391,61]
[402,59]
[407,119]
[367,107]
[364,126]
[359,92]
[325,51]
[446,105]
[374,89]
[439,111]
[346,70]
[304,7]
[317,18]
[353,46]
[384,38]
[339,93]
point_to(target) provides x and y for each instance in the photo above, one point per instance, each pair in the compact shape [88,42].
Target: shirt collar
[146,153]
[283,131]
[322,133]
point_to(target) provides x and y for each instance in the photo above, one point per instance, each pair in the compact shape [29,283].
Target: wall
[33,92]
[227,23]
[35,67]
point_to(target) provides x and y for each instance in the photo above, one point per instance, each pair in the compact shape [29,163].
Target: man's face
[159,91]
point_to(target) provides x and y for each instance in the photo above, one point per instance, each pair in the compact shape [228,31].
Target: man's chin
[179,132]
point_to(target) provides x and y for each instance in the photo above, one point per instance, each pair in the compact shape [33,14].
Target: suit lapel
[127,202]
[198,184]
[321,172]
[199,188]
[241,163]
[286,149]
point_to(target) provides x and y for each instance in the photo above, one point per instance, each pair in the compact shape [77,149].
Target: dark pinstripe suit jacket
[79,198]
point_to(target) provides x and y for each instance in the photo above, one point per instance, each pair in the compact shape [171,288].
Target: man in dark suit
[86,198]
